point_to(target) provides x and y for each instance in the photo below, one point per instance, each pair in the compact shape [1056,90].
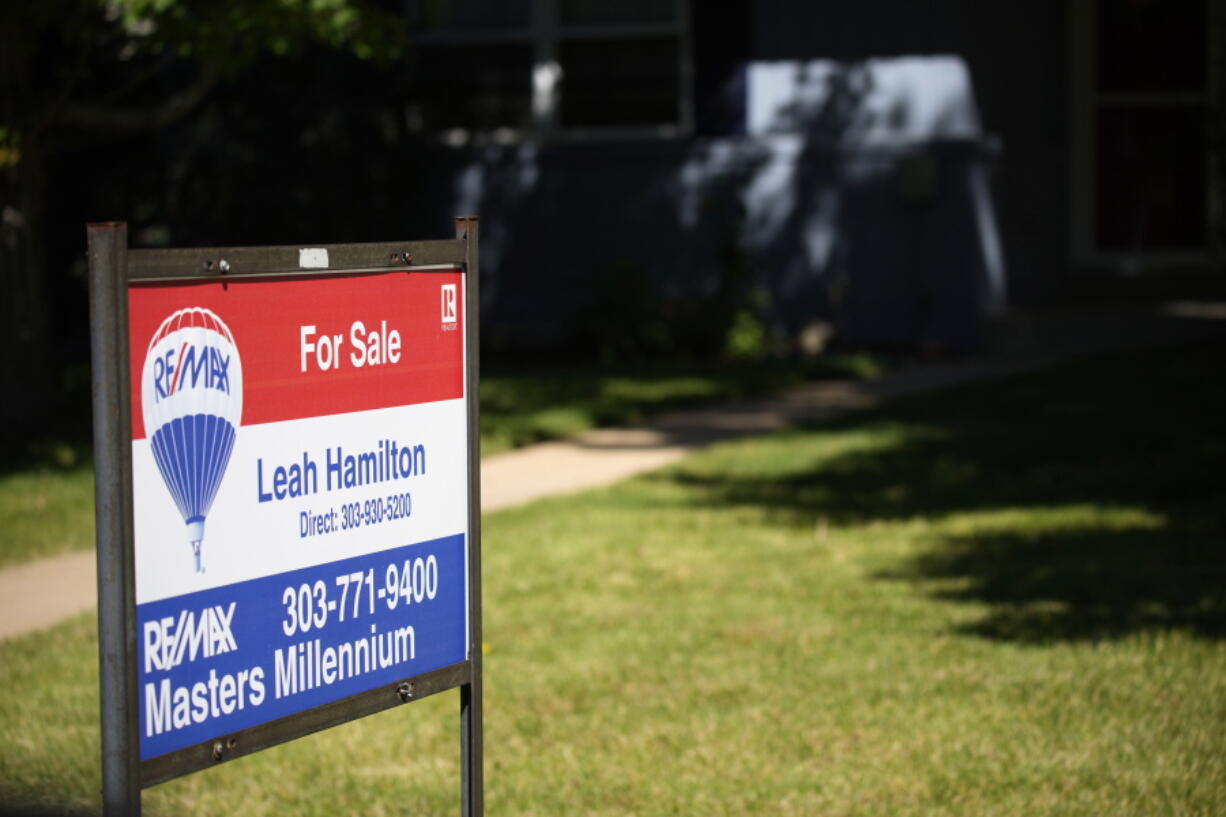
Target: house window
[1141,152]
[642,92]
[550,67]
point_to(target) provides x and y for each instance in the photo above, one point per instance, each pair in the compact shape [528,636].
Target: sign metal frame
[112,268]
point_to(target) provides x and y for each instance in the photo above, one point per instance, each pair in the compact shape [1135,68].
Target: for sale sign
[300,496]
[287,476]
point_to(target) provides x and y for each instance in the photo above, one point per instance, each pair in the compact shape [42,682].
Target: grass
[47,493]
[47,505]
[1003,599]
[521,405]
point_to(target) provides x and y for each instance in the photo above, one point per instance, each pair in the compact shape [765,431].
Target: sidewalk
[43,593]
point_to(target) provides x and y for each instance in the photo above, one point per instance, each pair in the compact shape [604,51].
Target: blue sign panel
[223,659]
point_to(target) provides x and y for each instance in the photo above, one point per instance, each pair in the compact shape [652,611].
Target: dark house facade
[895,173]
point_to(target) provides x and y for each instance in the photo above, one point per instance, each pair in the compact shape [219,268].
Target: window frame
[1085,101]
[545,33]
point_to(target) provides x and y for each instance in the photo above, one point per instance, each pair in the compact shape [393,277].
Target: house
[894,172]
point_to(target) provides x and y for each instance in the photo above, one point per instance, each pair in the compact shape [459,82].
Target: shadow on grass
[1086,584]
[542,400]
[44,454]
[1090,502]
[10,811]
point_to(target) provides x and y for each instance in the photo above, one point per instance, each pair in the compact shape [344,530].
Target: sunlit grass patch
[49,719]
[1037,521]
[44,511]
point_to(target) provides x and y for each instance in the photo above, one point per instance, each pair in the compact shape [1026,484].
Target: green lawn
[46,507]
[1002,599]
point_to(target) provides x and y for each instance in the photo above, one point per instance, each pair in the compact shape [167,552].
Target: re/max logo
[191,367]
[202,633]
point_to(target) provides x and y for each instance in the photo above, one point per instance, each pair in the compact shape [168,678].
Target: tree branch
[127,120]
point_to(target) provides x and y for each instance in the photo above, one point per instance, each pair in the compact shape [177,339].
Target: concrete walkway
[43,593]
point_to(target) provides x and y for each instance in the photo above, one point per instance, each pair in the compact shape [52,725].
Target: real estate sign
[301,473]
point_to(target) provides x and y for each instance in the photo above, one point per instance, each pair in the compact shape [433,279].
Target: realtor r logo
[449,303]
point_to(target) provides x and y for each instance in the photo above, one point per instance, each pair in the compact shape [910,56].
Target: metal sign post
[288,496]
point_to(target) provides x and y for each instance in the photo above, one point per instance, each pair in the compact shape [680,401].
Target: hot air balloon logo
[192,402]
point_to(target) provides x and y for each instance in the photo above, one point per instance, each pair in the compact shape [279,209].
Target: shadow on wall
[856,201]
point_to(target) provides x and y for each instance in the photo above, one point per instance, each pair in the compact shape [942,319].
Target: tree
[75,73]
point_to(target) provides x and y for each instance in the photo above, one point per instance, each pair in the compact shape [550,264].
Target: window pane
[1151,45]
[619,82]
[1151,178]
[480,86]
[594,12]
[435,15]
